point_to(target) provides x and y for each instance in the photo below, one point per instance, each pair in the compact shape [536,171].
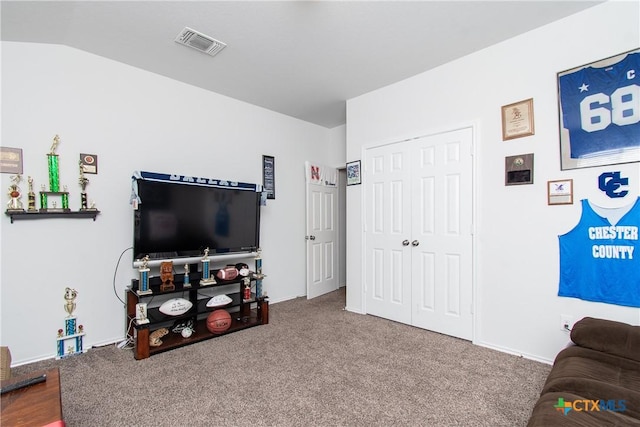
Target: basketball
[218,321]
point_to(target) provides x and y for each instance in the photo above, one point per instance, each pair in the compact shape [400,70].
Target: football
[227,273]
[218,321]
[175,307]
[219,301]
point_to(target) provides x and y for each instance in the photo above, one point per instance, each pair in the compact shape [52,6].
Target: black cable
[114,275]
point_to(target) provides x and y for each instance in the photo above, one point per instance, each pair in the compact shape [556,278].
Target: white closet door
[387,260]
[442,228]
[418,232]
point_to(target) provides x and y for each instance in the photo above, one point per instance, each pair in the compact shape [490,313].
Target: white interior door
[387,210]
[322,235]
[442,231]
[418,232]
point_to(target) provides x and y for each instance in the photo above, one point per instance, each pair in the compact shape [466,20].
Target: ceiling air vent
[199,41]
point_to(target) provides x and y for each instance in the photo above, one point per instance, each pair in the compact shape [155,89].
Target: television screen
[179,220]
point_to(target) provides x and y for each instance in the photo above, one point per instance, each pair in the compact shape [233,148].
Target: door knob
[312,237]
[415,243]
[405,243]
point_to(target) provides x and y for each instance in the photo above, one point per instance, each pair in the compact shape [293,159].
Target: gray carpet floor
[314,364]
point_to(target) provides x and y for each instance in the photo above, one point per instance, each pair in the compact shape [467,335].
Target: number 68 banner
[599,106]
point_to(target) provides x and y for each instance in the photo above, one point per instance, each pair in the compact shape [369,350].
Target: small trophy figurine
[84,181]
[54,166]
[143,286]
[31,196]
[54,145]
[207,277]
[186,283]
[15,204]
[166,276]
[70,296]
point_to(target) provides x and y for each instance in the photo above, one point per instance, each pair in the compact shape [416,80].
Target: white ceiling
[300,58]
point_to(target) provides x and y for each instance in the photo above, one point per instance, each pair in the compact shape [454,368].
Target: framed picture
[517,119]
[89,163]
[269,176]
[560,192]
[10,160]
[599,112]
[353,173]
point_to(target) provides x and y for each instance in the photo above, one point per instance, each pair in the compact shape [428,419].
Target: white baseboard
[515,353]
[347,308]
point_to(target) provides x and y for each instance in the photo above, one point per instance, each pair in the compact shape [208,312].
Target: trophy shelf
[245,313]
[51,214]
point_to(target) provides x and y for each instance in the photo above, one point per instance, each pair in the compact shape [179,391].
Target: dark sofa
[596,381]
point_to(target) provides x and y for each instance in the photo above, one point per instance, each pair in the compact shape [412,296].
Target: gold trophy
[84,181]
[70,298]
[31,196]
[15,204]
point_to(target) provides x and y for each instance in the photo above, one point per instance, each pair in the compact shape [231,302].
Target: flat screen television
[179,220]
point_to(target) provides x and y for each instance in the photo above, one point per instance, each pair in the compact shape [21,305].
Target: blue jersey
[601,107]
[600,261]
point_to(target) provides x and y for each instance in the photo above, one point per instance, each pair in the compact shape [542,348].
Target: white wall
[133,120]
[517,307]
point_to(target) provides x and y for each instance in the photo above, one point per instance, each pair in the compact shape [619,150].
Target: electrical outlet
[566,322]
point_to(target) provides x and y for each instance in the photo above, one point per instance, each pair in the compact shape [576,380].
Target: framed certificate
[517,119]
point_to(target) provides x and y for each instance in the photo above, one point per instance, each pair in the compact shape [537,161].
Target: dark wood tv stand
[244,314]
[35,405]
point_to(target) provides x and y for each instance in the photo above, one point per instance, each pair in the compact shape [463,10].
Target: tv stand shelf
[244,314]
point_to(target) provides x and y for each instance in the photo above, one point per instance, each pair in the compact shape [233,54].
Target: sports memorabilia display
[599,107]
[598,257]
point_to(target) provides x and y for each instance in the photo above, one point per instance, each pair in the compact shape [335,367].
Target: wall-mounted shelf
[43,215]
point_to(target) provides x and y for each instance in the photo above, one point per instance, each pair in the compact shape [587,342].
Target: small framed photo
[353,173]
[560,192]
[89,163]
[517,120]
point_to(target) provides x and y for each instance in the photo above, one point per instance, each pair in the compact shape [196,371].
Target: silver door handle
[415,243]
[312,237]
[405,243]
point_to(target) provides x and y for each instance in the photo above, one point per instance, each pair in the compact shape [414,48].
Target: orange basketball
[218,321]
